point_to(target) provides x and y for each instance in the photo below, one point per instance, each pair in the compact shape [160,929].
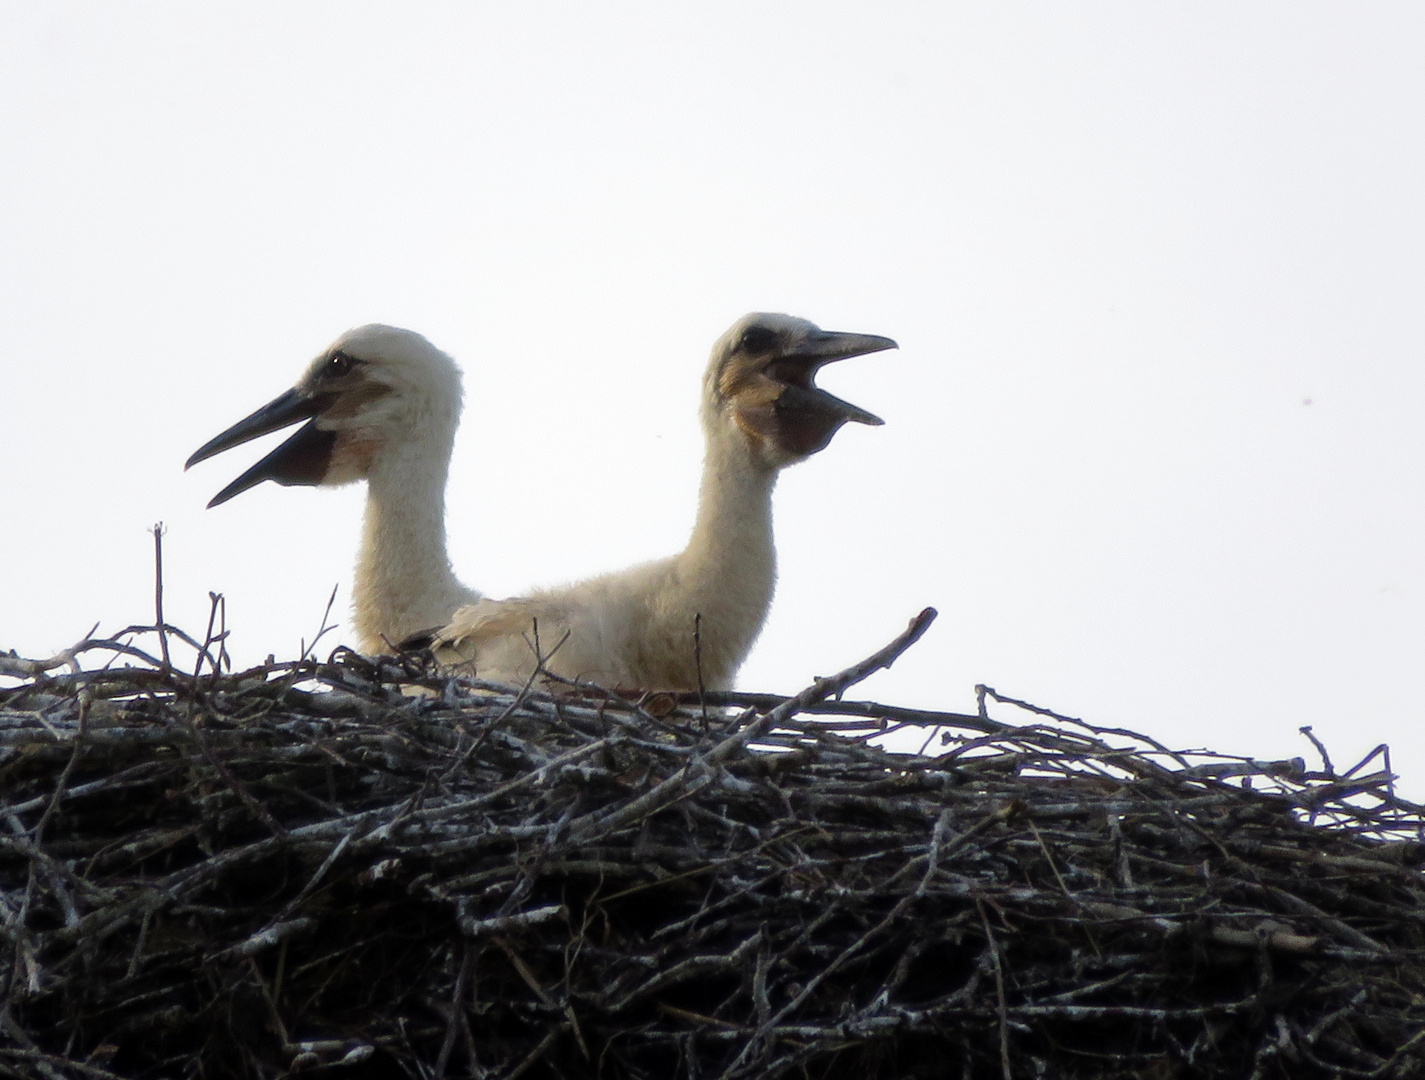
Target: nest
[364,868]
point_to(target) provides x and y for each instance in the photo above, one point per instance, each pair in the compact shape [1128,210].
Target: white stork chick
[761,411]
[381,405]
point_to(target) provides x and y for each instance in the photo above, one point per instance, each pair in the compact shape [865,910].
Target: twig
[1005,1070]
[324,629]
[86,701]
[158,621]
[1320,749]
[457,1005]
[698,663]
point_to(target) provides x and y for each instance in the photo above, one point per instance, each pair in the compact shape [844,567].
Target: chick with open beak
[763,375]
[380,404]
[335,386]
[687,621]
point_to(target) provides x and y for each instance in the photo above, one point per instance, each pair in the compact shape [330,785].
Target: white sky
[1154,443]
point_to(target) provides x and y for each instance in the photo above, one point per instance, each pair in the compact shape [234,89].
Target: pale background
[1154,443]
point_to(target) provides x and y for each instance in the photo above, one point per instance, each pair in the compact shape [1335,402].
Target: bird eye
[340,364]
[757,339]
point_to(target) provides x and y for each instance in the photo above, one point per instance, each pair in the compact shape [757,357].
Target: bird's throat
[728,571]
[404,581]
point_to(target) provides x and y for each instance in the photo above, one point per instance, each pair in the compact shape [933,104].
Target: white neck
[728,571]
[404,583]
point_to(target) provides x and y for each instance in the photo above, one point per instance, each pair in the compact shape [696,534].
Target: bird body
[675,623]
[688,621]
[382,405]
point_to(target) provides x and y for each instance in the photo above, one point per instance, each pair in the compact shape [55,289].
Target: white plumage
[381,405]
[761,411]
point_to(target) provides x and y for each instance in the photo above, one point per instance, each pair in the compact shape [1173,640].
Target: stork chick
[761,411]
[381,405]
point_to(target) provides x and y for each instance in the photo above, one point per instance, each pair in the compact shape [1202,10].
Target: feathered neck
[404,581]
[728,571]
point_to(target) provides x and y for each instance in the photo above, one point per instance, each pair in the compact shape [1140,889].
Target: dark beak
[825,347]
[828,345]
[301,460]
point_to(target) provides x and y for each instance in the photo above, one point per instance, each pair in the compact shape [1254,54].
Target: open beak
[302,460]
[824,347]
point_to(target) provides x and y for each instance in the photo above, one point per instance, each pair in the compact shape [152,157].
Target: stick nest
[364,868]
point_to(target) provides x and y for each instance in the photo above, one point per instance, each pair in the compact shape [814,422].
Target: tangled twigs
[364,866]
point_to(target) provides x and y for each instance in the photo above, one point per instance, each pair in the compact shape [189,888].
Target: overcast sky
[1153,444]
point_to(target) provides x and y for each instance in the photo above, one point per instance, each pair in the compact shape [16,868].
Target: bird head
[372,387]
[762,378]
